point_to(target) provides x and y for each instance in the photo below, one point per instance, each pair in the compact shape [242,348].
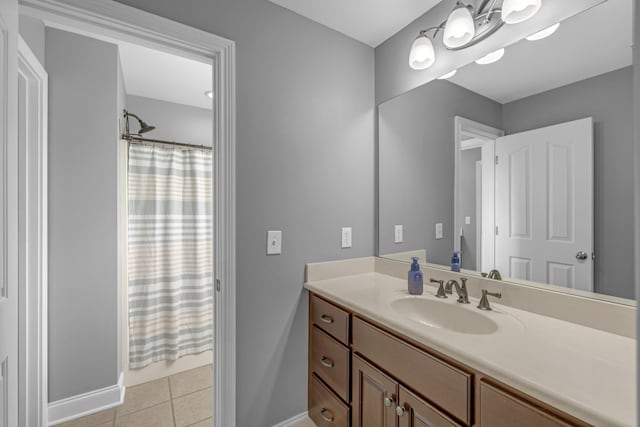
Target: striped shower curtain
[170,266]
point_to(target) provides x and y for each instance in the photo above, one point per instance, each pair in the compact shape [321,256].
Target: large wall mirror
[524,165]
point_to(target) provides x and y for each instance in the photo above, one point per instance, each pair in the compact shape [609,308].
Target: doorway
[113,22]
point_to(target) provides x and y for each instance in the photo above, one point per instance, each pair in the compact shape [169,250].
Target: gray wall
[82,214]
[32,31]
[467,204]
[609,100]
[173,122]
[416,164]
[305,165]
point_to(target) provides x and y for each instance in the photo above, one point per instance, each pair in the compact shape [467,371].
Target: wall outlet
[274,242]
[399,238]
[346,237]
[438,231]
[467,220]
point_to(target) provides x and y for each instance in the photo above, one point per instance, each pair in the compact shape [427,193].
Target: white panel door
[8,213]
[544,205]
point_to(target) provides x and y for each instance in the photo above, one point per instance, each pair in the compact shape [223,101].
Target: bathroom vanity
[381,357]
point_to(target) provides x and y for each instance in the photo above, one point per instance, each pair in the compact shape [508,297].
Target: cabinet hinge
[218,285]
[496,230]
[497,161]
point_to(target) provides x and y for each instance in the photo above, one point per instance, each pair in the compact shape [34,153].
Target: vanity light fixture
[516,11]
[468,25]
[448,75]
[544,33]
[490,58]
[209,94]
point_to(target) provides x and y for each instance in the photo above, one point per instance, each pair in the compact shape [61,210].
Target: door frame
[465,127]
[109,20]
[33,229]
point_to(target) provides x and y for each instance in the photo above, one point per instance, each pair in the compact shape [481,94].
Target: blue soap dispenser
[415,278]
[455,261]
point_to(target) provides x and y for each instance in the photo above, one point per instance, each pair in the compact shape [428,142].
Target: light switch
[346,237]
[274,242]
[467,220]
[399,238]
[438,230]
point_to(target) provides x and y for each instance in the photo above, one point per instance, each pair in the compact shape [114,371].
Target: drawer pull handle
[388,401]
[399,411]
[326,319]
[326,362]
[327,418]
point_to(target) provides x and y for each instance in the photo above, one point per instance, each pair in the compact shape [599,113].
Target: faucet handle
[484,301]
[441,293]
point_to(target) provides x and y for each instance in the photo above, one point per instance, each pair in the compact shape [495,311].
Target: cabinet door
[374,396]
[416,412]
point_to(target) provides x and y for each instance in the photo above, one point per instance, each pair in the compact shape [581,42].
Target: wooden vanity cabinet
[329,363]
[364,375]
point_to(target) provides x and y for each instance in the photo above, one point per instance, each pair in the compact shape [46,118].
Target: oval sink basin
[443,315]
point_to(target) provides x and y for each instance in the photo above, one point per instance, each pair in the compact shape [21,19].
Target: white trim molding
[293,420]
[113,21]
[88,403]
[33,156]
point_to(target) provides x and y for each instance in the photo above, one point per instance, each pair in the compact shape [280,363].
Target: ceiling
[159,75]
[589,44]
[369,21]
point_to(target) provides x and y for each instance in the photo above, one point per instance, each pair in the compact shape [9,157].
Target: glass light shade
[460,28]
[515,11]
[544,33]
[422,53]
[491,57]
[449,74]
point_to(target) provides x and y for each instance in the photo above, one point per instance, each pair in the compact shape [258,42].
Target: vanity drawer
[325,409]
[499,408]
[443,384]
[330,318]
[330,360]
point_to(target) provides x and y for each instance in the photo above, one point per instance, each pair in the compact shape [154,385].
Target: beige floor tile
[204,423]
[193,407]
[155,416]
[304,423]
[144,396]
[93,420]
[190,381]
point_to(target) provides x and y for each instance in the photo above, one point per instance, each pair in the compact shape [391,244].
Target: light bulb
[449,74]
[544,33]
[460,28]
[515,11]
[422,54]
[491,57]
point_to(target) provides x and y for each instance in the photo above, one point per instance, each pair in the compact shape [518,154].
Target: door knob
[582,255]
[399,411]
[388,401]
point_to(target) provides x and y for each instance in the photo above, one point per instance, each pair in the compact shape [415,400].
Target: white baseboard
[78,406]
[291,421]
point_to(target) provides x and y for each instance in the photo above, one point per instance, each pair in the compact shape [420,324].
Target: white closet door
[544,205]
[9,213]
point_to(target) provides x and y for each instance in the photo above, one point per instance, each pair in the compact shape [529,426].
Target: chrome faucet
[493,274]
[461,290]
[484,301]
[440,293]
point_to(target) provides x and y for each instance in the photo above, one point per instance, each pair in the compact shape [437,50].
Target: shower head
[144,127]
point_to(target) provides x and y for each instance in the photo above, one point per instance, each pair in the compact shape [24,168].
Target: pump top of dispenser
[414,263]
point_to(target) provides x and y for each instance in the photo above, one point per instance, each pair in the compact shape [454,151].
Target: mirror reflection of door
[544,205]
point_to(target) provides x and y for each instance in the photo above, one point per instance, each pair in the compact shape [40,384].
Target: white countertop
[584,372]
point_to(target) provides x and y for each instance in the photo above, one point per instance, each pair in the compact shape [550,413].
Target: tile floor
[180,400]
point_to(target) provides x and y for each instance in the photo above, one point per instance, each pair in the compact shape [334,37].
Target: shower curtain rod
[135,139]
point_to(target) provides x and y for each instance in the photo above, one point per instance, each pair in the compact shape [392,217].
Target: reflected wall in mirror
[527,163]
